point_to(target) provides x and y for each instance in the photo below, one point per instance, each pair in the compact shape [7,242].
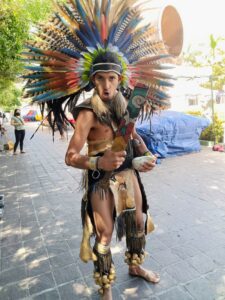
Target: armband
[147,153]
[93,162]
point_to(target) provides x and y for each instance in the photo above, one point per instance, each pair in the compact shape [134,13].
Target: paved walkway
[41,229]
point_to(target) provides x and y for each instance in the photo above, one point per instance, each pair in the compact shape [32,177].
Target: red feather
[103,28]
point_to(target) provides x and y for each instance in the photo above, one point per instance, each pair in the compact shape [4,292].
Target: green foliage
[214,58]
[13,32]
[16,19]
[192,57]
[31,10]
[10,96]
[214,132]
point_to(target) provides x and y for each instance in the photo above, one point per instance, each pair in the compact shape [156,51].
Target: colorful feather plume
[61,57]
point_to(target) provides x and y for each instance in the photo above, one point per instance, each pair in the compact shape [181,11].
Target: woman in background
[18,123]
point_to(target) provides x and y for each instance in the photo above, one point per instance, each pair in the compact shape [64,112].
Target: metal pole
[212,107]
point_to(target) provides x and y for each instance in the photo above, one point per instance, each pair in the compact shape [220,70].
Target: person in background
[1,118]
[18,123]
[2,137]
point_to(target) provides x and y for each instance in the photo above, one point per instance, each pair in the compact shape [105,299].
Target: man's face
[106,84]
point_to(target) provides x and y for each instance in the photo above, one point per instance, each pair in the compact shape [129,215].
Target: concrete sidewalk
[41,229]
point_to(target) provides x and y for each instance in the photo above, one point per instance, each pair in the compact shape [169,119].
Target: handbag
[10,145]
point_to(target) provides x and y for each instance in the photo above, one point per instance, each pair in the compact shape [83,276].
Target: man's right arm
[84,123]
[108,162]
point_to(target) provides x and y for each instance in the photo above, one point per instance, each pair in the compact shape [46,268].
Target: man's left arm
[143,151]
[139,143]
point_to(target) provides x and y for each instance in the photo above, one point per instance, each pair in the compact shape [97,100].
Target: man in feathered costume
[101,45]
[112,185]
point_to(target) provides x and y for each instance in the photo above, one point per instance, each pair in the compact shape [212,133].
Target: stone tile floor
[41,231]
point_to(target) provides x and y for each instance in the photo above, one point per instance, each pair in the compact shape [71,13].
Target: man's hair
[107,57]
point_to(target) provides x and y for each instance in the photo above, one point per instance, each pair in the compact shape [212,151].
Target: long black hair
[15,112]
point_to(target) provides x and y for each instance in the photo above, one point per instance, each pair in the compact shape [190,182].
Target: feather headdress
[61,58]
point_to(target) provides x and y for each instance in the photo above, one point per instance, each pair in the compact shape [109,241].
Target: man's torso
[100,131]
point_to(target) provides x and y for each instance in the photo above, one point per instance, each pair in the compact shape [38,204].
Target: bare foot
[148,275]
[107,295]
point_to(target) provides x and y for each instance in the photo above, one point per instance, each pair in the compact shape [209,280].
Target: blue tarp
[172,133]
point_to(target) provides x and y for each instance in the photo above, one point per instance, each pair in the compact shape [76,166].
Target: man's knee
[105,236]
[139,222]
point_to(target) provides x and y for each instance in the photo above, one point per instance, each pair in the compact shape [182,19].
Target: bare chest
[100,131]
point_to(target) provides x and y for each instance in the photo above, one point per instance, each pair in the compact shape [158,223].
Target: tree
[16,19]
[10,97]
[214,132]
[13,31]
[213,58]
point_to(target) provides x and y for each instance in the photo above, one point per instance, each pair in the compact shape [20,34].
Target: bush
[213,133]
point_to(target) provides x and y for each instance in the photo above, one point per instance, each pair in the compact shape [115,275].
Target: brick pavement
[41,229]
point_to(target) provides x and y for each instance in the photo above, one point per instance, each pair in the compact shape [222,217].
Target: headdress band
[106,67]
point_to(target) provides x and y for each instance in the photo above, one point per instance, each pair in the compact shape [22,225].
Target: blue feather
[85,30]
[96,33]
[123,38]
[65,23]
[32,76]
[35,68]
[131,25]
[120,22]
[70,52]
[29,60]
[125,43]
[39,83]
[97,11]
[75,43]
[112,33]
[108,8]
[33,54]
[165,83]
[83,38]
[34,49]
[139,33]
[37,89]
[81,11]
[69,11]
[86,25]
[51,95]
[136,37]
[161,94]
[42,96]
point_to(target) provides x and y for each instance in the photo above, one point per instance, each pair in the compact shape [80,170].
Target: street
[40,232]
